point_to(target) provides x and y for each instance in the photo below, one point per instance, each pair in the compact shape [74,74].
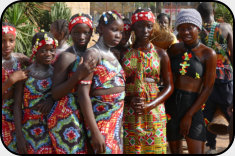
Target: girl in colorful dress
[31,125]
[11,73]
[194,68]
[65,122]
[101,94]
[144,112]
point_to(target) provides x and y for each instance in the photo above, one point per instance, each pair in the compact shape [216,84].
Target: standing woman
[101,94]
[144,112]
[34,93]
[65,122]
[11,73]
[194,67]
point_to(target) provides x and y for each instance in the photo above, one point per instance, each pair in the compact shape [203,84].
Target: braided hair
[40,36]
[205,9]
[107,18]
[61,25]
[81,14]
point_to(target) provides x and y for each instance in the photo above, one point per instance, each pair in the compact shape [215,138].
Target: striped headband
[140,16]
[80,19]
[8,30]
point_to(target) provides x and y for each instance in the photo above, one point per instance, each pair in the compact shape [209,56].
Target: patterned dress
[65,124]
[8,127]
[34,124]
[144,134]
[108,109]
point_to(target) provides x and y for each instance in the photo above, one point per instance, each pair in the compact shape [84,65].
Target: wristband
[85,82]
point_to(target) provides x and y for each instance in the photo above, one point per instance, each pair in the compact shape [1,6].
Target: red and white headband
[38,45]
[127,27]
[80,19]
[8,30]
[140,16]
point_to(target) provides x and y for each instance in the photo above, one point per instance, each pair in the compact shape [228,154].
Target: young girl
[11,73]
[194,70]
[65,122]
[31,126]
[124,44]
[144,113]
[104,109]
[60,31]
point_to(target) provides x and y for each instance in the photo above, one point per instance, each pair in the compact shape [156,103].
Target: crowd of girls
[106,98]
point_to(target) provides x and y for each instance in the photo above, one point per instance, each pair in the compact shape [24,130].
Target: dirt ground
[222,142]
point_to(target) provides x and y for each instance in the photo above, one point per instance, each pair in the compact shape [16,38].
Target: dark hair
[40,36]
[61,25]
[110,17]
[164,15]
[7,24]
[205,9]
[126,21]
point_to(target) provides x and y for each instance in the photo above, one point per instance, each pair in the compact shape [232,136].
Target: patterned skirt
[66,127]
[8,127]
[108,111]
[34,127]
[145,134]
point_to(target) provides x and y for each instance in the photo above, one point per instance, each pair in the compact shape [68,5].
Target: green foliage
[221,11]
[15,15]
[58,11]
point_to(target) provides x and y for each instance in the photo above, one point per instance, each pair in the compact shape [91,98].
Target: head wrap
[127,27]
[80,19]
[140,16]
[38,45]
[189,16]
[8,30]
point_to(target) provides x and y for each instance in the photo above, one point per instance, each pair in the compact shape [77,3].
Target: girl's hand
[18,76]
[85,68]
[44,106]
[21,144]
[185,125]
[138,104]
[98,143]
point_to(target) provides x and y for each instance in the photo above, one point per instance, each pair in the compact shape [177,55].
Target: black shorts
[177,106]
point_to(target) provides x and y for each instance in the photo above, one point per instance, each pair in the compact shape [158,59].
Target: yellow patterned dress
[145,134]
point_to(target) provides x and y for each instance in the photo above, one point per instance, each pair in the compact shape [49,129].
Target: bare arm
[98,143]
[17,111]
[230,42]
[167,80]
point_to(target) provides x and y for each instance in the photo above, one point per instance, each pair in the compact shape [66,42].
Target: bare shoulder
[208,52]
[66,57]
[91,53]
[174,48]
[161,52]
[22,58]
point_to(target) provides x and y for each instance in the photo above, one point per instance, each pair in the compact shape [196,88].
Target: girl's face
[164,22]
[46,54]
[112,33]
[8,45]
[81,35]
[143,30]
[188,33]
[125,37]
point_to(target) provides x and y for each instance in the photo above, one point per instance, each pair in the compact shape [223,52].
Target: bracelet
[85,82]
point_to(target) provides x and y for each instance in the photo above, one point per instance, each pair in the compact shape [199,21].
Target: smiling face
[143,30]
[8,45]
[46,54]
[112,33]
[188,33]
[81,35]
[164,22]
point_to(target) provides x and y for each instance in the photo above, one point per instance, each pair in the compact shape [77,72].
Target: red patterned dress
[65,124]
[108,109]
[145,134]
[8,127]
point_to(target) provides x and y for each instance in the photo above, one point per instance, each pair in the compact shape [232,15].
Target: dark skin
[8,46]
[112,34]
[226,30]
[164,22]
[44,57]
[81,34]
[189,35]
[143,30]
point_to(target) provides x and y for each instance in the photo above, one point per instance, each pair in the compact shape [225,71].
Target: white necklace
[39,72]
[9,60]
